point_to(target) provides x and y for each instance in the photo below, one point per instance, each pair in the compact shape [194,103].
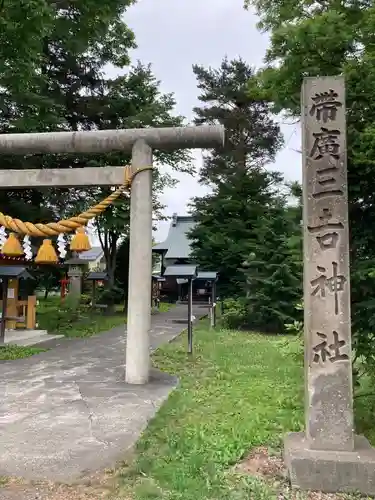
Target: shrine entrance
[140,142]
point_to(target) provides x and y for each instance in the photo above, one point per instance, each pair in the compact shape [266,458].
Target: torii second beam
[62,177]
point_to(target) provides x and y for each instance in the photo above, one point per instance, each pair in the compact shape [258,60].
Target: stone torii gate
[140,142]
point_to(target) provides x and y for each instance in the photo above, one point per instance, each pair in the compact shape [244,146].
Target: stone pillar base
[330,471]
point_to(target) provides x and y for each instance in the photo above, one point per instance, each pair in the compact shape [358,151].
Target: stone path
[67,412]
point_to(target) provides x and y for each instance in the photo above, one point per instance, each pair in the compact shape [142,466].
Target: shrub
[235,313]
[110,296]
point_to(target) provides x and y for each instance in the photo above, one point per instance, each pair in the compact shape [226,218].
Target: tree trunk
[112,256]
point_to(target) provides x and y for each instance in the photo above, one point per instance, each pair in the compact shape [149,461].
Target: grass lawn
[56,317]
[239,391]
[8,352]
[163,307]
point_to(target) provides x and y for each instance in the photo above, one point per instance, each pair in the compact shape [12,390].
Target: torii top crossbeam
[104,141]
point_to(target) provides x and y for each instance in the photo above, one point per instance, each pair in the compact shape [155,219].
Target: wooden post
[4,284]
[190,315]
[12,301]
[31,312]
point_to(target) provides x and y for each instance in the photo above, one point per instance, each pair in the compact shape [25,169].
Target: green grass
[364,409]
[60,318]
[11,352]
[237,392]
[55,317]
[163,307]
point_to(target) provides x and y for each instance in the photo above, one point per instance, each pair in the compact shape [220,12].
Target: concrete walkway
[67,412]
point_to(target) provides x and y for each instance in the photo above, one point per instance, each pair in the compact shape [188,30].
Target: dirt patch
[97,487]
[262,464]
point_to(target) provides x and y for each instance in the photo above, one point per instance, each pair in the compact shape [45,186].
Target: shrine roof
[181,271]
[177,244]
[97,275]
[207,275]
[15,272]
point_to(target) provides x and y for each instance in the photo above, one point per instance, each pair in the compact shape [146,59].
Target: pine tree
[242,190]
[227,222]
[273,277]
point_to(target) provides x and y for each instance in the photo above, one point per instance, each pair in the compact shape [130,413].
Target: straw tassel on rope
[46,253]
[12,246]
[80,241]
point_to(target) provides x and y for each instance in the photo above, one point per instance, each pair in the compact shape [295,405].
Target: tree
[242,190]
[66,89]
[328,38]
[252,137]
[273,277]
[227,221]
[131,101]
[293,214]
[51,61]
[122,265]
[47,278]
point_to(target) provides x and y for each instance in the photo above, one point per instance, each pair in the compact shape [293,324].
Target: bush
[110,296]
[86,299]
[235,313]
[62,315]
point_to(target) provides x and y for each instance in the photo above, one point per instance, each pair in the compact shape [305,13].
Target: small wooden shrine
[97,278]
[17,308]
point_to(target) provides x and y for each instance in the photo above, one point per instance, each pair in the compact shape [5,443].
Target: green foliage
[52,78]
[329,38]
[296,328]
[226,227]
[111,296]
[74,318]
[55,315]
[241,188]
[252,137]
[60,48]
[122,266]
[244,216]
[235,313]
[11,352]
[273,281]
[273,278]
[46,278]
[85,299]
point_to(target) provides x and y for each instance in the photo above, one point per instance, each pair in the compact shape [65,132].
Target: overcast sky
[173,35]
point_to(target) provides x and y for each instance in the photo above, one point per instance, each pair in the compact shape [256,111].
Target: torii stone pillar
[141,143]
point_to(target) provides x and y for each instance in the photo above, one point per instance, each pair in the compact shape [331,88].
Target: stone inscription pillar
[327,456]
[329,412]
